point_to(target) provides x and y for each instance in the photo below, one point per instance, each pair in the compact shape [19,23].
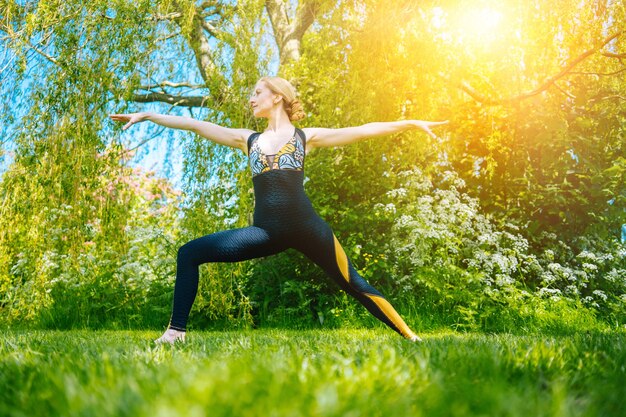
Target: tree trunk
[288,34]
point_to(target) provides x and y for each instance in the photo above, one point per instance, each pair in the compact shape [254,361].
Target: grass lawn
[310,373]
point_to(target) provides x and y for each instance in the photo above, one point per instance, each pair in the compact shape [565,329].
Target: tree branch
[612,55]
[166,37]
[614,96]
[42,53]
[279,19]
[169,16]
[208,4]
[183,101]
[305,16]
[204,57]
[9,62]
[564,92]
[210,28]
[288,34]
[603,74]
[171,84]
[547,83]
[199,44]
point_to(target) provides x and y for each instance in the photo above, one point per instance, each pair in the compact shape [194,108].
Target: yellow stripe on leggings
[392,315]
[342,260]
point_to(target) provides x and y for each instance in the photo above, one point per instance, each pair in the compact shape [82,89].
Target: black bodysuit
[283,218]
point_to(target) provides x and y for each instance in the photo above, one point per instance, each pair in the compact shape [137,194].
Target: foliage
[92,266]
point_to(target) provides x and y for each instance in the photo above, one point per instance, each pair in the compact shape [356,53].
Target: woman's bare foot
[415,338]
[171,336]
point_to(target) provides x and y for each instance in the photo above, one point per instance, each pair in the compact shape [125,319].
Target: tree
[69,64]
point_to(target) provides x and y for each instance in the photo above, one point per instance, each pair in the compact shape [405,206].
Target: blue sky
[162,153]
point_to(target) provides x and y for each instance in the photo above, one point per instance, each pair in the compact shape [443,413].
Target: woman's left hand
[426,125]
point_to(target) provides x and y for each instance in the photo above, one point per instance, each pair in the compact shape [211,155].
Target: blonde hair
[293,106]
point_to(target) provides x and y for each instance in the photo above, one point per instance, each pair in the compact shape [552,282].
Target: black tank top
[280,203]
[289,157]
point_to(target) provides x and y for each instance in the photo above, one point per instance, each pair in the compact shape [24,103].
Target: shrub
[451,260]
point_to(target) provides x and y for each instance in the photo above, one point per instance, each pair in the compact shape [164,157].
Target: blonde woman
[283,215]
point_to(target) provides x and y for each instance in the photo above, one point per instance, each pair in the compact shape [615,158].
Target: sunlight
[467,24]
[480,23]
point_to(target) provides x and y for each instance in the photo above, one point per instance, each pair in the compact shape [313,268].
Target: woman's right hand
[130,119]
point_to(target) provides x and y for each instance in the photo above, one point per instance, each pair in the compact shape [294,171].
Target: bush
[104,256]
[453,261]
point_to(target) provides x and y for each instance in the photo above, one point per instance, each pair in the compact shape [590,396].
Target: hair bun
[296,111]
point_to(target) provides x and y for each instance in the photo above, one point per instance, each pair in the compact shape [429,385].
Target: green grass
[310,373]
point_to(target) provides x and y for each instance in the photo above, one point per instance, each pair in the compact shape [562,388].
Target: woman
[283,215]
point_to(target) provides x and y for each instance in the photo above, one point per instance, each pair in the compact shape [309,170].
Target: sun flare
[480,22]
[467,24]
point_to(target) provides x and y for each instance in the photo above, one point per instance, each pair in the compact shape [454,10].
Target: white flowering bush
[597,278]
[446,254]
[439,226]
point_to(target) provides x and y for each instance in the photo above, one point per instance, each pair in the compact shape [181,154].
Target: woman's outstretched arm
[323,137]
[235,138]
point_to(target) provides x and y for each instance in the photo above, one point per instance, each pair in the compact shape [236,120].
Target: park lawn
[310,373]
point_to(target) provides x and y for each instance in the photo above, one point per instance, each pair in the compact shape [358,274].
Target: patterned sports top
[289,157]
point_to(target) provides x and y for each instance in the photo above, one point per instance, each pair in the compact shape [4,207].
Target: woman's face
[262,100]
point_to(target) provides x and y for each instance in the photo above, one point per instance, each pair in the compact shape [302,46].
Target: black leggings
[279,225]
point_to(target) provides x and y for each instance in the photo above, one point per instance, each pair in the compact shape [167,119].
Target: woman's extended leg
[323,248]
[226,246]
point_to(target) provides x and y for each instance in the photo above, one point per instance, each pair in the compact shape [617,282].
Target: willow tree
[66,65]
